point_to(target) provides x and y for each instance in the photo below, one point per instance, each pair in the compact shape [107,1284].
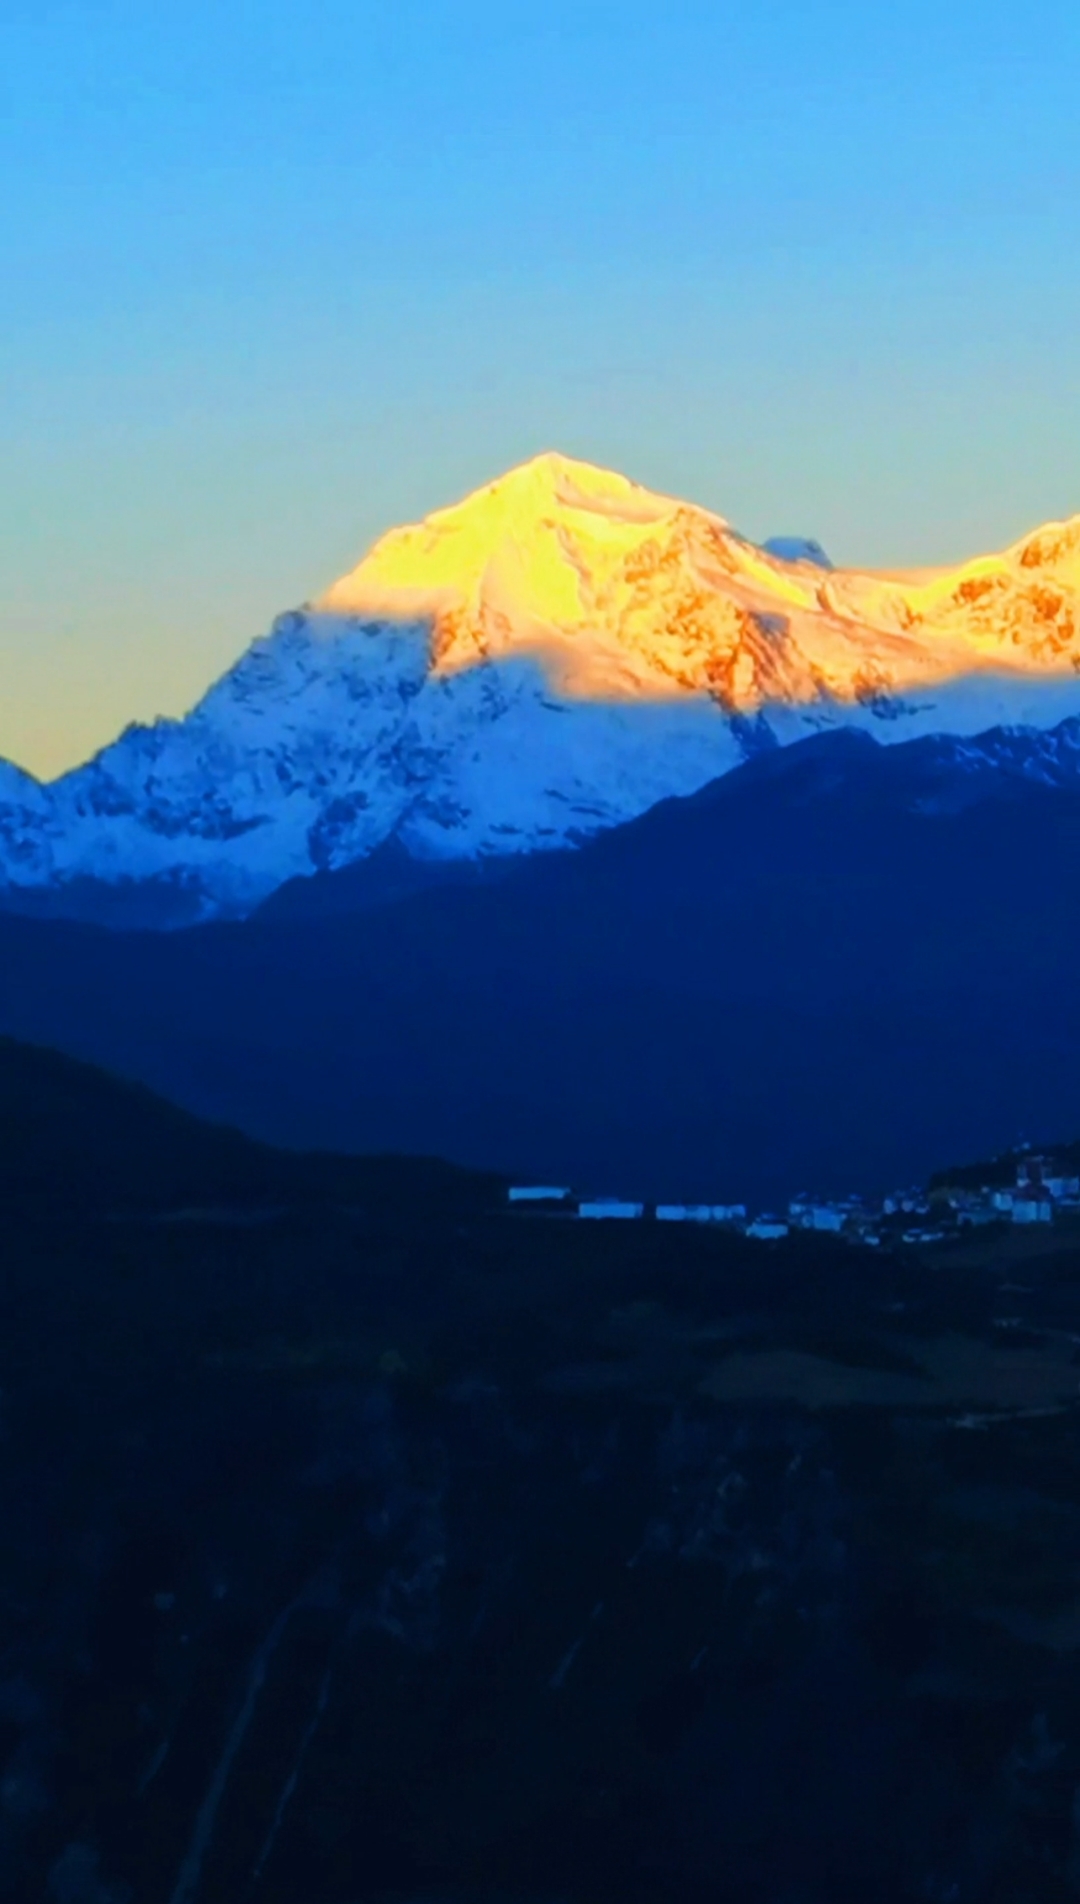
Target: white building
[536,1193]
[1032,1205]
[605,1208]
[768,1229]
[805,1214]
[1046,1174]
[701,1212]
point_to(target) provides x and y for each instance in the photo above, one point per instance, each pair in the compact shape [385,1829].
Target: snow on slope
[550,657]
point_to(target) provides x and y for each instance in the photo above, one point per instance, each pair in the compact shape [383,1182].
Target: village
[1044,1190]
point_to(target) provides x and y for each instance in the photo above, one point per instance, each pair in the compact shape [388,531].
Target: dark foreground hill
[385,1552]
[75,1140]
[832,969]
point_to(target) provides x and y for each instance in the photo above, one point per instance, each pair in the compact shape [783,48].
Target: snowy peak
[536,561]
[629,592]
[1054,549]
[526,517]
[797,549]
[19,788]
[549,657]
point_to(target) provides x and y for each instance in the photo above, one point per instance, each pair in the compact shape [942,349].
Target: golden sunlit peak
[571,483]
[553,482]
[543,525]
[629,594]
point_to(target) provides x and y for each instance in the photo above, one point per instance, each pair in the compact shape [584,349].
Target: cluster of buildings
[1045,1190]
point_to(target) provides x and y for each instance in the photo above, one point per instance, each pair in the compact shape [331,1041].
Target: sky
[278,275]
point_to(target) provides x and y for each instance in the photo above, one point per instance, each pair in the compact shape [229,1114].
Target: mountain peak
[630,593]
[555,469]
[1056,546]
[545,525]
[545,658]
[566,481]
[797,549]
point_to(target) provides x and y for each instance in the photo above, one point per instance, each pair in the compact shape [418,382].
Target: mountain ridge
[838,964]
[523,670]
[77,1139]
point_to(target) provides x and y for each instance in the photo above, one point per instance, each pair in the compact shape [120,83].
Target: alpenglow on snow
[546,659]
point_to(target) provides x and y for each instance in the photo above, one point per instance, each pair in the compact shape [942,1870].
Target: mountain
[830,969]
[76,1141]
[546,660]
[797,549]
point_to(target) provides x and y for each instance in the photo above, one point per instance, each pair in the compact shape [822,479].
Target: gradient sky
[277,274]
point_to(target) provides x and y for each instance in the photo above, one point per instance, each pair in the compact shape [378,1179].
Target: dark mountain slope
[832,967]
[72,1138]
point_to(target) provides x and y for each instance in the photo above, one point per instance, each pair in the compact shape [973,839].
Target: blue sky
[278,275]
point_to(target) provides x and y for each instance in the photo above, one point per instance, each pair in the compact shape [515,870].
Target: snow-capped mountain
[549,658]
